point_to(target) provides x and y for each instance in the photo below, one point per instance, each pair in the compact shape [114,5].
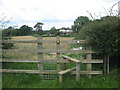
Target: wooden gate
[60,61]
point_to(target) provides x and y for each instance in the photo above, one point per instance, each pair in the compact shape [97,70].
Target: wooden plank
[49,60]
[88,72]
[66,71]
[92,61]
[42,41]
[36,60]
[47,51]
[40,55]
[71,59]
[27,71]
[60,78]
[46,72]
[77,71]
[89,65]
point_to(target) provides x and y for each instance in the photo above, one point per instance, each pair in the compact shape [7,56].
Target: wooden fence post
[77,71]
[60,78]
[89,65]
[105,64]
[108,68]
[58,53]
[40,55]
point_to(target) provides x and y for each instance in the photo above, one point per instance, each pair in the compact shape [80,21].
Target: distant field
[46,45]
[28,55]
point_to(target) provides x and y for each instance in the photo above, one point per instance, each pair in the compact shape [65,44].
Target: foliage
[24,30]
[53,31]
[79,22]
[6,34]
[103,35]
[38,27]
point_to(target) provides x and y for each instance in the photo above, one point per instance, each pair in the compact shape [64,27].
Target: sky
[53,13]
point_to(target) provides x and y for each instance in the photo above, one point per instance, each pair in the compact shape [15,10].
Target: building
[65,31]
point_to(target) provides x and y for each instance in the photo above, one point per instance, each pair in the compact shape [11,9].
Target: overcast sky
[58,13]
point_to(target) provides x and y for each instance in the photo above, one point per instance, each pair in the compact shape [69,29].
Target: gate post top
[58,41]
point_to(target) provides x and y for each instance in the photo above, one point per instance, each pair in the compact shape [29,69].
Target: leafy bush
[103,35]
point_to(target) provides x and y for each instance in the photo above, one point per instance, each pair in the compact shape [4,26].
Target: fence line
[65,59]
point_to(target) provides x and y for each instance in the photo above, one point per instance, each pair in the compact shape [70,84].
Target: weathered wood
[36,60]
[47,51]
[58,53]
[88,72]
[71,59]
[27,71]
[92,61]
[46,71]
[42,41]
[77,71]
[66,71]
[60,78]
[107,64]
[40,55]
[89,65]
[49,60]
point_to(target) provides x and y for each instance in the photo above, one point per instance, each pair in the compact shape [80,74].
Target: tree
[79,22]
[54,31]
[5,32]
[103,35]
[38,27]
[25,30]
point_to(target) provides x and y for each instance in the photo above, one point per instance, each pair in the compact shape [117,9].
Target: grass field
[29,55]
[34,80]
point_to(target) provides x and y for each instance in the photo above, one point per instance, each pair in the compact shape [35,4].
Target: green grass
[34,81]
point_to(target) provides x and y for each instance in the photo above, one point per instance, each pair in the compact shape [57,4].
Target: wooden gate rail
[47,51]
[51,60]
[28,71]
[61,73]
[42,41]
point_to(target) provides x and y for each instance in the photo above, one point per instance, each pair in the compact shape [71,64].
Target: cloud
[57,13]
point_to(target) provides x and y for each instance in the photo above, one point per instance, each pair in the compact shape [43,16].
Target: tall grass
[34,81]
